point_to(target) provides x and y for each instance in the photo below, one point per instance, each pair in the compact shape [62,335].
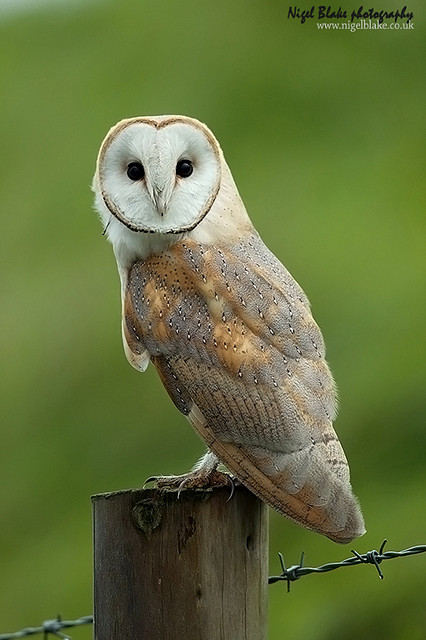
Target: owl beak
[160,201]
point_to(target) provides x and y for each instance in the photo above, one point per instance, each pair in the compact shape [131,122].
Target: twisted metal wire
[371,557]
[49,626]
[288,575]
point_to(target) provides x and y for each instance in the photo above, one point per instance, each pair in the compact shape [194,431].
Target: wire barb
[374,557]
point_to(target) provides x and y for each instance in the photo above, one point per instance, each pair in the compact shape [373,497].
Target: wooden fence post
[193,568]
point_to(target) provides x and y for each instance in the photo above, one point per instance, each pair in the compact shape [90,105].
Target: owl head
[162,176]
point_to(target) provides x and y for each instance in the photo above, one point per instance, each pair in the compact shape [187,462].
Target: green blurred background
[324,133]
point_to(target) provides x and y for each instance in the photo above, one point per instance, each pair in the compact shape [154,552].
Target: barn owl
[227,328]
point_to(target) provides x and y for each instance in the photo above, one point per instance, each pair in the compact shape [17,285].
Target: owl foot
[195,480]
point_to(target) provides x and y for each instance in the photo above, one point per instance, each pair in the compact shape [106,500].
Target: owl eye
[135,171]
[184,168]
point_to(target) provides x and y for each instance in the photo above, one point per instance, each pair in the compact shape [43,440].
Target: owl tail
[324,502]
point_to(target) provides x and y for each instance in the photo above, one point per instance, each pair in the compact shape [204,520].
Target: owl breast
[204,305]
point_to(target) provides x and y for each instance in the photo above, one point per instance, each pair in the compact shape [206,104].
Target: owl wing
[233,340]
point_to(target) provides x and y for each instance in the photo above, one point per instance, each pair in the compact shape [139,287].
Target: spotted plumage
[228,329]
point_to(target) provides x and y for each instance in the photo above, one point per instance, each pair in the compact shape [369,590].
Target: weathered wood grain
[193,568]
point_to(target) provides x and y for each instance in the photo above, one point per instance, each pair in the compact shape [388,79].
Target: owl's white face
[160,178]
[158,175]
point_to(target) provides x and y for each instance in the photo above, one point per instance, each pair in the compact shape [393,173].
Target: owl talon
[148,480]
[231,493]
[234,482]
[164,481]
[181,486]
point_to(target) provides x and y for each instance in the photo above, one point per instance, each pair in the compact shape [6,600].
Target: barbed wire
[49,626]
[371,557]
[288,575]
